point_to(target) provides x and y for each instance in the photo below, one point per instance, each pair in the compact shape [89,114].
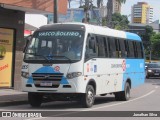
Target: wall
[15,20]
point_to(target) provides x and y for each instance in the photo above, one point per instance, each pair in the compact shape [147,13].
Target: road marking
[157,87]
[122,102]
[98,107]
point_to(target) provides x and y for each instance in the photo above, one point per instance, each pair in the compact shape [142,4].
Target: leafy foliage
[146,38]
[155,40]
[119,21]
[110,11]
[122,1]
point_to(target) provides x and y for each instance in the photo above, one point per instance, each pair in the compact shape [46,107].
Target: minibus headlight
[25,74]
[73,75]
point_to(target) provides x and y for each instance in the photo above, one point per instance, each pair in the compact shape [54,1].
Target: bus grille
[47,80]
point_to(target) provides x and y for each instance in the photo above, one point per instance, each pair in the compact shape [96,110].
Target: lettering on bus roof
[58,33]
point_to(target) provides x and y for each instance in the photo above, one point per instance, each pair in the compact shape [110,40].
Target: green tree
[155,40]
[104,22]
[146,38]
[99,3]
[110,11]
[119,21]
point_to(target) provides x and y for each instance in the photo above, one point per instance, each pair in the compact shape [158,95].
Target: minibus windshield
[55,46]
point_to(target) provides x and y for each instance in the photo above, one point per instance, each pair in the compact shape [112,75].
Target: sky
[35,20]
[39,20]
[126,8]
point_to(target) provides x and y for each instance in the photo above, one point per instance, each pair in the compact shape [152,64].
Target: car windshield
[55,46]
[153,65]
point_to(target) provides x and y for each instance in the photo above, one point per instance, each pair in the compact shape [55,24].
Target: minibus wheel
[89,97]
[123,95]
[35,99]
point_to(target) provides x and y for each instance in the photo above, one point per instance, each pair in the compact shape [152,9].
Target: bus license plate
[46,84]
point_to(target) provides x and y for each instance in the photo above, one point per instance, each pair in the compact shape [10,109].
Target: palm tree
[99,3]
[110,10]
[80,2]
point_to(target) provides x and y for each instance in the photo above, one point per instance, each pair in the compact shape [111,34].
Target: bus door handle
[93,59]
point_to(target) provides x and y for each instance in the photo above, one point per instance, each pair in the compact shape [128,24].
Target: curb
[13,103]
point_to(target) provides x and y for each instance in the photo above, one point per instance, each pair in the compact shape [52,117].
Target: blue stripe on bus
[47,69]
[30,80]
[132,36]
[135,72]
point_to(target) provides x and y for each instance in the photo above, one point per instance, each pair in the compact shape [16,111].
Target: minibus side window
[90,47]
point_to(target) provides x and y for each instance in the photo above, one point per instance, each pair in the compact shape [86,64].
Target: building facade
[77,14]
[116,6]
[12,42]
[142,13]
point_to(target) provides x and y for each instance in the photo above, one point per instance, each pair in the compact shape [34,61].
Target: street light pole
[55,12]
[150,53]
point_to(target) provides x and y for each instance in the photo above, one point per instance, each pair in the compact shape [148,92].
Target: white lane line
[98,107]
[157,87]
[122,102]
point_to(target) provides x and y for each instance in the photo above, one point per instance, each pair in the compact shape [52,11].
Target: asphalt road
[143,98]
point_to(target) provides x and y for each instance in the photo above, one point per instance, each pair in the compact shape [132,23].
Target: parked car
[152,70]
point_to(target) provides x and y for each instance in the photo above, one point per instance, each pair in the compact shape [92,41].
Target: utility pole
[55,15]
[69,1]
[150,53]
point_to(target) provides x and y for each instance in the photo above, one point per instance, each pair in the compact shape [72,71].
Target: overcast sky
[38,20]
[35,20]
[126,8]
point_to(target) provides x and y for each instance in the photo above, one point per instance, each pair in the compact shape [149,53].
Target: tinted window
[131,49]
[91,47]
[123,50]
[139,50]
[116,48]
[55,46]
[100,46]
[153,65]
[106,47]
[112,47]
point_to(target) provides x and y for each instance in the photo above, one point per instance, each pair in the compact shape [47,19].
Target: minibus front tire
[35,99]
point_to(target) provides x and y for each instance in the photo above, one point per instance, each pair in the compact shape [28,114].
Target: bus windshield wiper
[37,55]
[50,57]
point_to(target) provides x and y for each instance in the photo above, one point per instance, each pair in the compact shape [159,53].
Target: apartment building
[142,13]
[116,6]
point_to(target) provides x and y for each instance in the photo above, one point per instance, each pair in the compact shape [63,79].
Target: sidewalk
[12,97]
